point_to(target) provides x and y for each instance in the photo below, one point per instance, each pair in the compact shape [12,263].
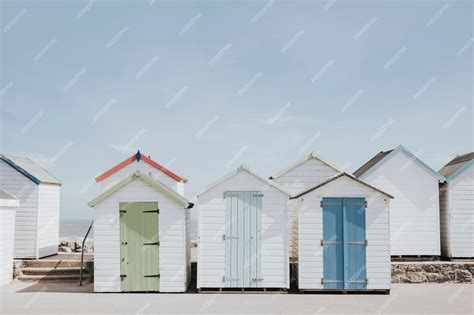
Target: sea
[77,229]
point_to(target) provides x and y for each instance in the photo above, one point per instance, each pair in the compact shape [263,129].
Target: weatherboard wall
[27,214]
[457,215]
[212,225]
[305,176]
[310,256]
[174,265]
[48,219]
[7,234]
[414,211]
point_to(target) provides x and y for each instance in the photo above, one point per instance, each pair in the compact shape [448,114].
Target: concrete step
[30,271]
[46,263]
[54,278]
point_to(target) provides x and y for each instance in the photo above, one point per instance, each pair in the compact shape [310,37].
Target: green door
[139,246]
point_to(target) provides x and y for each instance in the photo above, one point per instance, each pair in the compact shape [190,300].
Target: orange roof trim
[137,157]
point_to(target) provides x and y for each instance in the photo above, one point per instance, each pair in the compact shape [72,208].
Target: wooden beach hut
[457,207]
[37,217]
[243,233]
[142,227]
[414,213]
[344,236]
[8,207]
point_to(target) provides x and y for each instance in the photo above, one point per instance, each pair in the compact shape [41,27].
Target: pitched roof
[140,157]
[382,157]
[331,179]
[370,163]
[30,169]
[156,184]
[7,200]
[457,165]
[310,156]
[244,168]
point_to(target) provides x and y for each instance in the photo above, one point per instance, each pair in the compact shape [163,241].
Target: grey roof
[5,195]
[456,164]
[367,166]
[30,169]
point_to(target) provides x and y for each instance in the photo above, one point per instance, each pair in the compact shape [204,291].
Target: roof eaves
[331,179]
[310,156]
[393,152]
[150,181]
[20,170]
[460,170]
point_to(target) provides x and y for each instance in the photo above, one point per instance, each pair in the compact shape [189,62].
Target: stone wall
[434,271]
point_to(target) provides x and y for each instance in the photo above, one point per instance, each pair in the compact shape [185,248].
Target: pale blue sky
[205,86]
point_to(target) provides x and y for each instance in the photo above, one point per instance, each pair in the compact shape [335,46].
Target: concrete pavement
[20,297]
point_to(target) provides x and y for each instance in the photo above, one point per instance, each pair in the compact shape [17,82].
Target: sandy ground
[21,297]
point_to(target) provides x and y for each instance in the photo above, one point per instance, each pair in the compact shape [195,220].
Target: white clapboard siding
[310,256]
[172,236]
[457,215]
[303,177]
[144,168]
[7,233]
[211,227]
[26,215]
[414,213]
[48,219]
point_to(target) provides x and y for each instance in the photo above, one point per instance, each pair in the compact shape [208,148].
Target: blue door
[344,243]
[354,243]
[333,250]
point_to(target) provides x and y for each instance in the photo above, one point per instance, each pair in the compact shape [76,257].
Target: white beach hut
[243,233]
[457,207]
[344,236]
[298,177]
[414,213]
[141,229]
[37,217]
[8,206]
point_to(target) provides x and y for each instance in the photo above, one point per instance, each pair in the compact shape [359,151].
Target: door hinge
[258,195]
[257,279]
[365,204]
[154,243]
[224,279]
[321,203]
[152,276]
[122,277]
[124,243]
[366,242]
[151,211]
[224,237]
[123,211]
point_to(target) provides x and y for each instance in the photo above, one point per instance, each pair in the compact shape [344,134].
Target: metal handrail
[82,252]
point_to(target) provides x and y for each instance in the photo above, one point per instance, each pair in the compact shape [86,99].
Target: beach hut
[243,233]
[37,217]
[457,207]
[414,213]
[142,229]
[344,236]
[8,206]
[298,177]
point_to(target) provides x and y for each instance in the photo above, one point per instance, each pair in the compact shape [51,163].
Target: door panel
[344,246]
[139,247]
[242,239]
[333,260]
[354,244]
